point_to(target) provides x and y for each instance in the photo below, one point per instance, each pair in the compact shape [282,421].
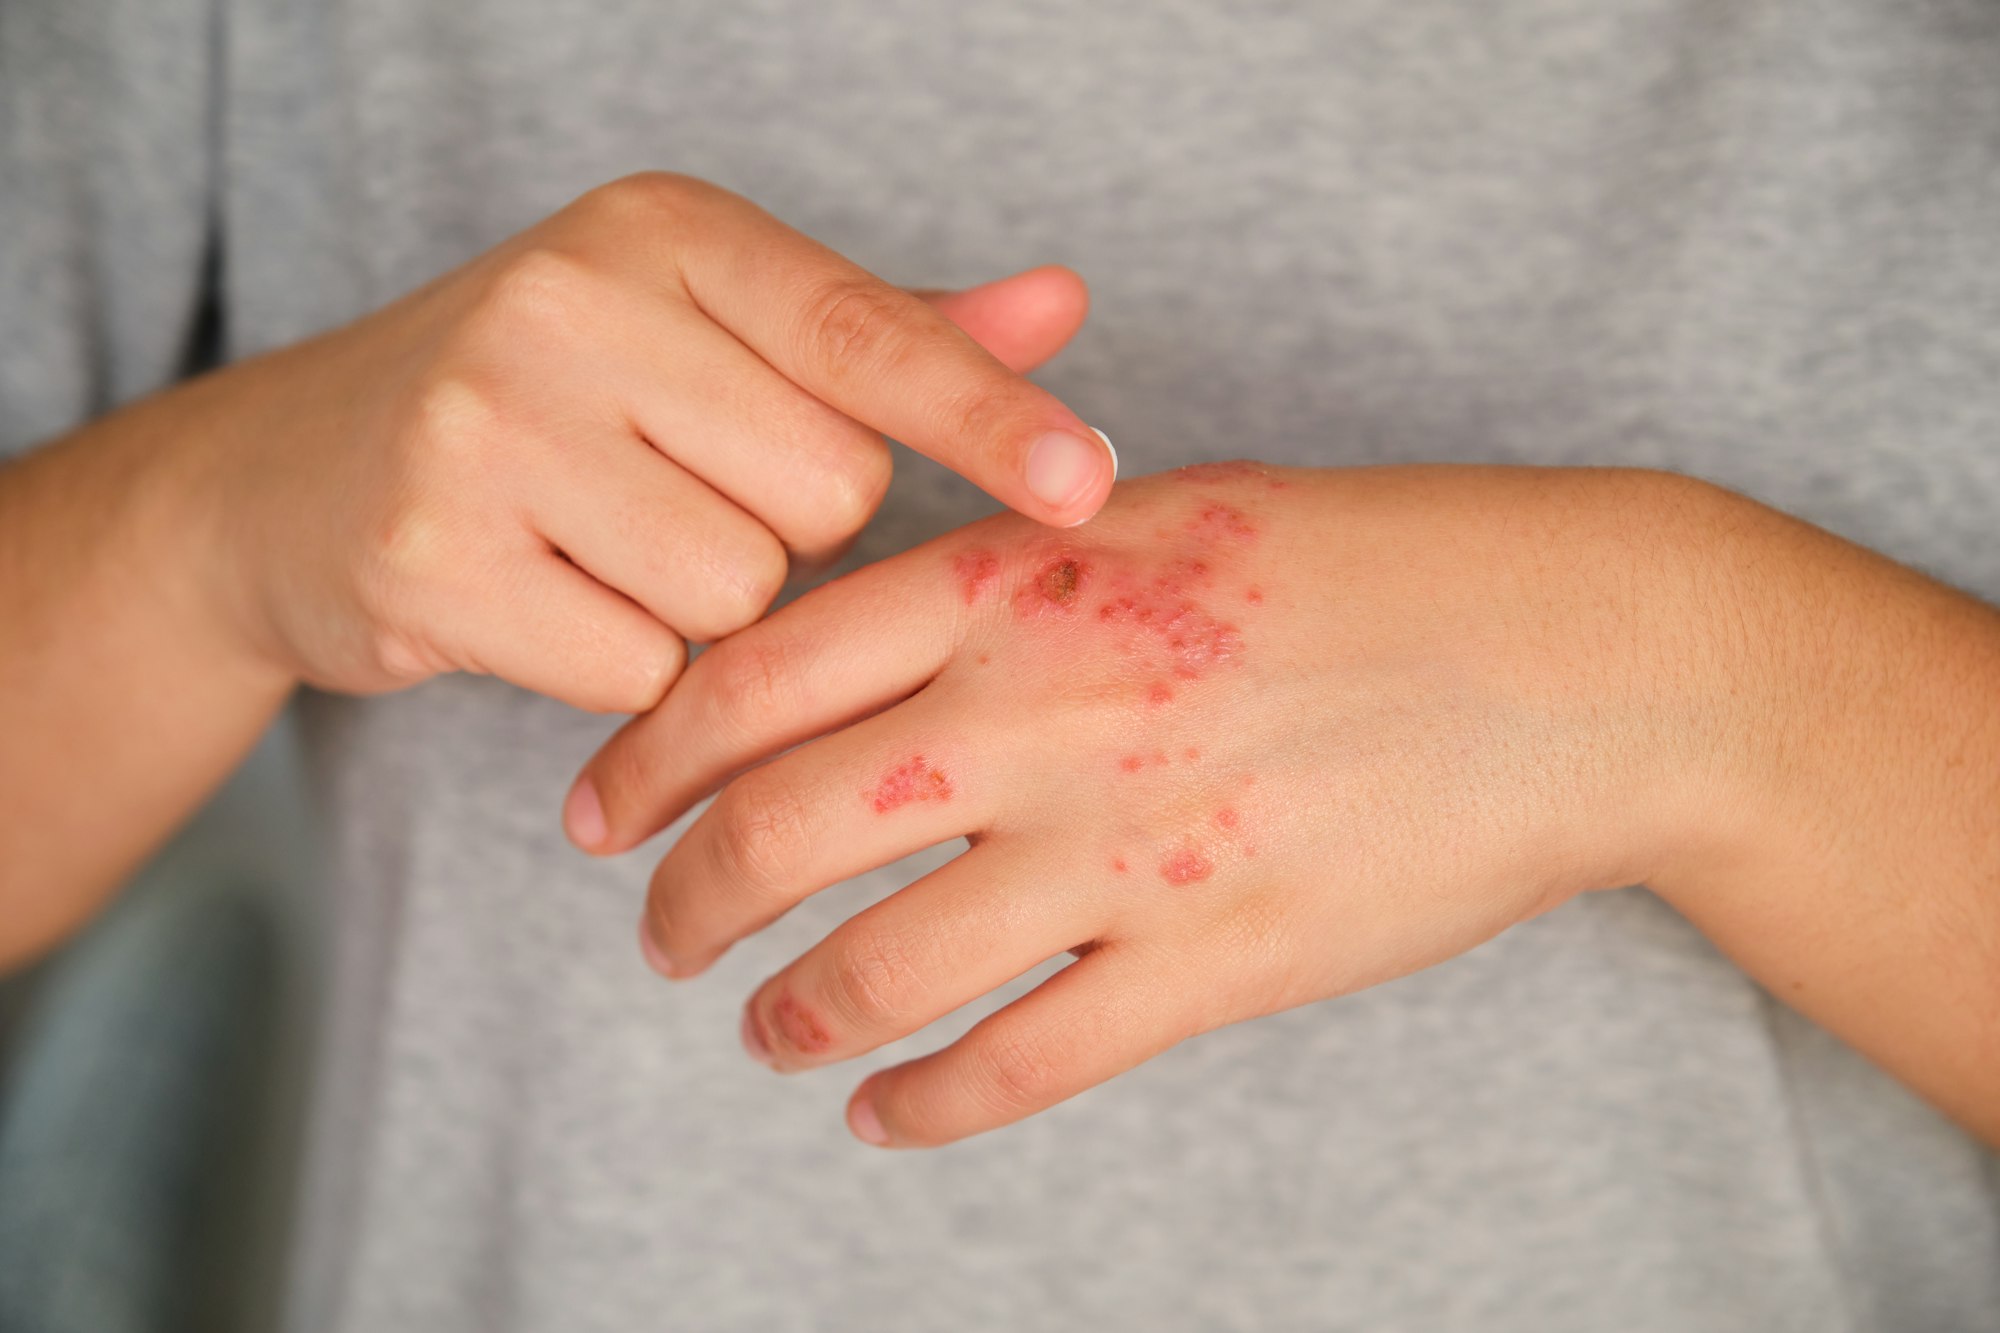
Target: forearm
[1868,896]
[125,696]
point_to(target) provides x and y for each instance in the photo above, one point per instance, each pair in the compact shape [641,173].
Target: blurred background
[152,1077]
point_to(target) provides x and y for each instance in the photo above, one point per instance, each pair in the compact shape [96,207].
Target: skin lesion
[1056,587]
[915,779]
[799,1026]
[975,571]
[1186,864]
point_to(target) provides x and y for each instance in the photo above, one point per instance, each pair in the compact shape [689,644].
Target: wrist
[193,526]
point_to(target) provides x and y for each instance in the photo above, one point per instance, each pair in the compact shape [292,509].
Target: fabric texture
[1752,240]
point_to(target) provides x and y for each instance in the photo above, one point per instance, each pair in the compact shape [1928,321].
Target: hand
[602,437]
[1254,738]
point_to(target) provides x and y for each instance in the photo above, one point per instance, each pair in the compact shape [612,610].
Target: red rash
[912,780]
[801,1030]
[1226,818]
[975,570]
[1186,865]
[1057,587]
[1220,522]
[1191,639]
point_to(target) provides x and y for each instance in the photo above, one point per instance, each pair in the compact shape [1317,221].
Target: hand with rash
[1253,738]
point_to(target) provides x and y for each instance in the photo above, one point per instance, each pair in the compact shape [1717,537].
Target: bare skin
[1259,737]
[556,465]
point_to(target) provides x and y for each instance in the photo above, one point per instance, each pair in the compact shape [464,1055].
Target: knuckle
[642,674]
[755,686]
[871,982]
[978,412]
[655,667]
[853,493]
[845,321]
[648,195]
[763,832]
[450,418]
[394,654]
[1016,1072]
[540,293]
[755,575]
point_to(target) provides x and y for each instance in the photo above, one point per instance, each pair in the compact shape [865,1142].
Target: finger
[975,924]
[858,799]
[842,651]
[888,360]
[641,524]
[1100,1016]
[1023,320]
[563,634]
[808,473]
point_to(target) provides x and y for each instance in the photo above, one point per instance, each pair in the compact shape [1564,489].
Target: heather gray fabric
[1753,240]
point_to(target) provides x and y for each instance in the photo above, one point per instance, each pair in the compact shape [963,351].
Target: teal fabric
[130,1111]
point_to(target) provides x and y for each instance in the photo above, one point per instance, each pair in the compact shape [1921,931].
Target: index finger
[891,361]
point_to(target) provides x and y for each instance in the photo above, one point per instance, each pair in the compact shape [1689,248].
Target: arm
[125,698]
[1865,890]
[1334,727]
[554,465]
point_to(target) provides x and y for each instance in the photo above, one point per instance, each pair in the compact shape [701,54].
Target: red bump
[1193,753]
[1226,817]
[1254,597]
[1118,864]
[1186,865]
[1131,763]
[1161,693]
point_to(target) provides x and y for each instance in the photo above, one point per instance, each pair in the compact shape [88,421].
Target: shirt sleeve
[108,131]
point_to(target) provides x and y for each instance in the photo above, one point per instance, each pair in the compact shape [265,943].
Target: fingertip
[656,957]
[863,1121]
[1071,474]
[583,816]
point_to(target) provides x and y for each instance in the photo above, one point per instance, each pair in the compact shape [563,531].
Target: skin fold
[1258,737]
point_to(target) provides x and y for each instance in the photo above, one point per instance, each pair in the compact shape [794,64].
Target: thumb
[1023,320]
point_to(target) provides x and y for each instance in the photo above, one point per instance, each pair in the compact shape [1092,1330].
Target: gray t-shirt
[1756,240]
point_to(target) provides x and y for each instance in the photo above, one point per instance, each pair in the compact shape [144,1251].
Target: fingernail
[656,957]
[867,1126]
[754,1043]
[1063,468]
[1112,447]
[583,815]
